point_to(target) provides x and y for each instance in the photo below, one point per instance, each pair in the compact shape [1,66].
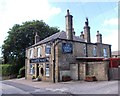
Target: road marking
[57,89]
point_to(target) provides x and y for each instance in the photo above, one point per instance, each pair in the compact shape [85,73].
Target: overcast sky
[103,16]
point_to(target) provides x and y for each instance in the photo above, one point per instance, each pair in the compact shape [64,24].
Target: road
[9,87]
[69,88]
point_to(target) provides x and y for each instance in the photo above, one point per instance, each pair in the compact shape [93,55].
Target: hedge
[9,69]
[22,72]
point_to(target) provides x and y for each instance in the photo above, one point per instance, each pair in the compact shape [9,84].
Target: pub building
[64,54]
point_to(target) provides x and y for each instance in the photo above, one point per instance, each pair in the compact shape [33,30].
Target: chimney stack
[99,37]
[82,35]
[87,31]
[73,32]
[69,26]
[37,38]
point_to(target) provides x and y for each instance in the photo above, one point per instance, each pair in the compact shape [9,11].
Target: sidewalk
[37,84]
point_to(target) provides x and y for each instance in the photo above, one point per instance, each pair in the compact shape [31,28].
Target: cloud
[18,11]
[112,21]
[109,36]
[112,39]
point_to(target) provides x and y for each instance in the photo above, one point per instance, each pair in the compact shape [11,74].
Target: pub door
[37,70]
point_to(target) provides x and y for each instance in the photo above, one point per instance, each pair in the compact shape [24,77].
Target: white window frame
[38,52]
[31,69]
[105,52]
[47,46]
[84,49]
[47,70]
[31,53]
[94,52]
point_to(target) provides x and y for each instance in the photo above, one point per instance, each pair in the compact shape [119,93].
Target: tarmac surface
[23,86]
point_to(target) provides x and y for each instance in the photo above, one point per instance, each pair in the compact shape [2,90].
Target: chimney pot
[99,37]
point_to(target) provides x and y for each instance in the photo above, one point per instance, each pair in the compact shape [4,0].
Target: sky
[102,16]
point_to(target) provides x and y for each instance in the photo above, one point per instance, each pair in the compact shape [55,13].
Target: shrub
[7,69]
[33,77]
[19,76]
[22,71]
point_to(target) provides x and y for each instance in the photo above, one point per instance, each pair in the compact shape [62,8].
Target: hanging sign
[67,48]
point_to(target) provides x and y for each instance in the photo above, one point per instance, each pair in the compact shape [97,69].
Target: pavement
[71,87]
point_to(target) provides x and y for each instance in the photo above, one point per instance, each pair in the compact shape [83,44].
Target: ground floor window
[47,70]
[32,69]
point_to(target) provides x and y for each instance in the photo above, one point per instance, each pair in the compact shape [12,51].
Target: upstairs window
[48,49]
[84,49]
[31,53]
[94,52]
[105,52]
[38,52]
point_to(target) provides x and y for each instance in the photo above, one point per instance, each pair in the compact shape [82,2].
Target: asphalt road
[9,87]
[105,88]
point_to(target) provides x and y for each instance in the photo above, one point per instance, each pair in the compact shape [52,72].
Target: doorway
[37,70]
[74,71]
[42,71]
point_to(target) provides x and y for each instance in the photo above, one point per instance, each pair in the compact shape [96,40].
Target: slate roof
[59,35]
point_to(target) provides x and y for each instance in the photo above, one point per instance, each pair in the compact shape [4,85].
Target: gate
[114,69]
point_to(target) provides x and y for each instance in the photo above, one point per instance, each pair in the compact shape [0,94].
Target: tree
[22,36]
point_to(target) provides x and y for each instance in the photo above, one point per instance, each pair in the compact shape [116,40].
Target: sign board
[67,48]
[39,60]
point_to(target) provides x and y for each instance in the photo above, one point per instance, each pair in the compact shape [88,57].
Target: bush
[22,71]
[7,69]
[33,77]
[19,76]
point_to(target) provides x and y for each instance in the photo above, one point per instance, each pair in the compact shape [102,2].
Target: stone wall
[98,69]
[63,61]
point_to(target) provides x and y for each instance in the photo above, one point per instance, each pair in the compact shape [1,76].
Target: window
[32,69]
[105,52]
[31,53]
[47,70]
[48,49]
[38,52]
[84,49]
[94,52]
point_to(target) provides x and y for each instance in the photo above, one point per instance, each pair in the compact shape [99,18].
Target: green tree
[22,36]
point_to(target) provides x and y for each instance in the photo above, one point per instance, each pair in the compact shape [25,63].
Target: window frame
[47,47]
[47,70]
[84,49]
[38,52]
[95,51]
[105,52]
[31,53]
[31,69]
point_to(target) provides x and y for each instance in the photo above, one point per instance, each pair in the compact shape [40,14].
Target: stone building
[116,54]
[64,54]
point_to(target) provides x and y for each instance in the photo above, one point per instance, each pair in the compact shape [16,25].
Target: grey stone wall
[63,61]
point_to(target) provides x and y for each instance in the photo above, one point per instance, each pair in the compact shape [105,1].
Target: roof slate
[59,35]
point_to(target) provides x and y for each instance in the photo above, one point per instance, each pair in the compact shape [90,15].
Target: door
[37,70]
[74,71]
